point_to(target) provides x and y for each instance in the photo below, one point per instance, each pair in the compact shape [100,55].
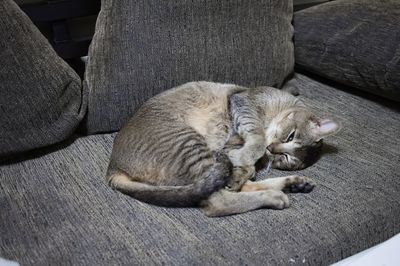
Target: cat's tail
[212,180]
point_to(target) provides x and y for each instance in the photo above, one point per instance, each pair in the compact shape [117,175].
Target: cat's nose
[271,147]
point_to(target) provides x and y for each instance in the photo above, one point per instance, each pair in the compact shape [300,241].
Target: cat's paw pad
[276,199]
[299,184]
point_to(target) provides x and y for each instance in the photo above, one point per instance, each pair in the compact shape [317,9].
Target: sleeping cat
[197,145]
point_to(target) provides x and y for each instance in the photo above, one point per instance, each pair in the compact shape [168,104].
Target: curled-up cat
[181,148]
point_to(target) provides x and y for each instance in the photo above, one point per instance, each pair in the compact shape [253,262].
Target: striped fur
[186,144]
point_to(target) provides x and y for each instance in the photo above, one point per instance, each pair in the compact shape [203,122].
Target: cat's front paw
[240,175]
[299,184]
[275,199]
[236,157]
[239,157]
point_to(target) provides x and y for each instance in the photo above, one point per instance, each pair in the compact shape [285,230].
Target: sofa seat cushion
[355,42]
[56,207]
[143,48]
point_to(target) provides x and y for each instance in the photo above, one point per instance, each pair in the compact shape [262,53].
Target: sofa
[55,206]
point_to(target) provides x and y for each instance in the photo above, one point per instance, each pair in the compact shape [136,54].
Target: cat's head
[294,138]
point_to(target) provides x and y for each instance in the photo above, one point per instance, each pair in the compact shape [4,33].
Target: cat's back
[189,103]
[192,95]
[174,116]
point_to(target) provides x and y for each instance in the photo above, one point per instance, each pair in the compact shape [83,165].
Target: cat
[197,145]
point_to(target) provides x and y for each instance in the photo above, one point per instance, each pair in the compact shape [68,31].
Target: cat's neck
[278,103]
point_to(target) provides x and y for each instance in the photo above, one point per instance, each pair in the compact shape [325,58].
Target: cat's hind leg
[224,202]
[293,184]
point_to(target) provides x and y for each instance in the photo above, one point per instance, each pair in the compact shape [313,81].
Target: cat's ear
[325,127]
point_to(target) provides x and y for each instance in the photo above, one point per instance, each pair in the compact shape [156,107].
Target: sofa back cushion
[41,99]
[142,48]
[354,42]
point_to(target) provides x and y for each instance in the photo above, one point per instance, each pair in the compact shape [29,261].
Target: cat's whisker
[269,166]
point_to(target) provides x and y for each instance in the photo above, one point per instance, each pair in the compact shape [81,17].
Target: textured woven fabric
[41,99]
[355,42]
[141,48]
[56,209]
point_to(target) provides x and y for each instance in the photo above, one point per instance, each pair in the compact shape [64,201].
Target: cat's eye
[291,136]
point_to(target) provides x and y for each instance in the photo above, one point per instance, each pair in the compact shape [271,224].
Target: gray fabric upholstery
[56,208]
[41,99]
[355,42]
[141,48]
